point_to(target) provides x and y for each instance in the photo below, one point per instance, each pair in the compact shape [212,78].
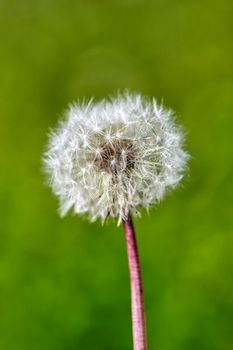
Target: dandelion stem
[137,304]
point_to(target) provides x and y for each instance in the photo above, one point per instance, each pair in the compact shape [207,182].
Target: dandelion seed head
[113,157]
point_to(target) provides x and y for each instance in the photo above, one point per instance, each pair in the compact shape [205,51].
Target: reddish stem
[137,304]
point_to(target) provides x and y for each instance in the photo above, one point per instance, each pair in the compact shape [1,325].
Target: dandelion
[111,159]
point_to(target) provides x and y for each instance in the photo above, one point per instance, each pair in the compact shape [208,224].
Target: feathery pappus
[113,157]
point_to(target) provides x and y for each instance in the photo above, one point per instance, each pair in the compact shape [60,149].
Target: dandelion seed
[127,149]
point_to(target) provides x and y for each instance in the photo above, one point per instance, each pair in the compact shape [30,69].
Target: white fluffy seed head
[113,157]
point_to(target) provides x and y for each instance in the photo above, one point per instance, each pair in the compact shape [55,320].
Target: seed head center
[115,156]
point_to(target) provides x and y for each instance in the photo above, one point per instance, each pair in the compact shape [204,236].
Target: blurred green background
[64,283]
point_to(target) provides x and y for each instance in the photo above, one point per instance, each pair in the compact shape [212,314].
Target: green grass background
[64,283]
